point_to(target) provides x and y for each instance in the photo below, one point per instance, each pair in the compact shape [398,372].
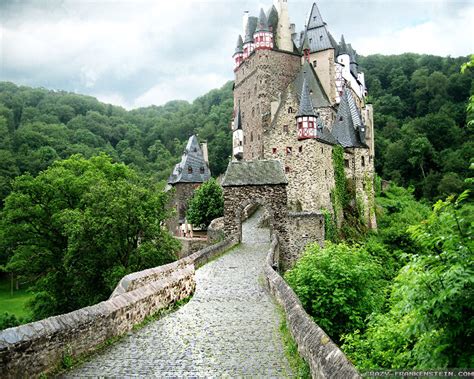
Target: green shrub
[339,286]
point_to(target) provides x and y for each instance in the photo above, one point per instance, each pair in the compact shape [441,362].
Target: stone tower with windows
[296,97]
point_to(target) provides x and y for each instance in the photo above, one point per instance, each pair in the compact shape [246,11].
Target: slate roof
[315,20]
[316,32]
[262,25]
[194,159]
[240,45]
[306,105]
[319,97]
[324,134]
[250,30]
[254,173]
[272,19]
[349,130]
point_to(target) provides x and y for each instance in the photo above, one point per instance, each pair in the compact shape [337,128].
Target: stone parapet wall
[215,230]
[37,347]
[324,357]
[191,245]
[303,228]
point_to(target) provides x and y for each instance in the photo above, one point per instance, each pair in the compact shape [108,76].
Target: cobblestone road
[228,329]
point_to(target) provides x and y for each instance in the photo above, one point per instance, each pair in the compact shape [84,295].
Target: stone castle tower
[296,97]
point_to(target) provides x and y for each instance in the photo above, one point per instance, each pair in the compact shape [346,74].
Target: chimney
[245,21]
[205,154]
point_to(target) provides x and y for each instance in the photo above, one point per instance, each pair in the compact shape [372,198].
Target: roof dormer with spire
[263,37]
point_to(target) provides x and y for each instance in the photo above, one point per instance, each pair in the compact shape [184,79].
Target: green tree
[206,204]
[77,227]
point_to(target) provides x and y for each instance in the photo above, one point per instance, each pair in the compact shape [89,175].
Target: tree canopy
[76,228]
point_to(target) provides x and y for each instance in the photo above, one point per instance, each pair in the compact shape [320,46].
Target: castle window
[274,150]
[285,128]
[251,136]
[300,149]
[322,150]
[290,110]
[287,169]
[258,137]
[315,63]
[310,124]
[346,163]
[253,112]
[326,173]
[340,118]
[201,170]
[289,150]
[240,143]
[300,124]
[320,38]
[190,170]
[362,161]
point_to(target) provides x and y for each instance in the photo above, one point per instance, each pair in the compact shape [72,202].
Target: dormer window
[320,38]
[340,118]
[195,150]
[190,170]
[201,170]
[315,63]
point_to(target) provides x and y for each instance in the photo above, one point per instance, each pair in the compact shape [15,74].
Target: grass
[15,303]
[299,367]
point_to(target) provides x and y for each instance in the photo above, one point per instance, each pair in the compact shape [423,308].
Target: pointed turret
[249,46]
[263,37]
[342,46]
[262,25]
[237,136]
[239,52]
[306,105]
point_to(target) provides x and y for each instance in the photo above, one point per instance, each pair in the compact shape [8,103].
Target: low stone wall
[324,357]
[30,349]
[191,245]
[215,230]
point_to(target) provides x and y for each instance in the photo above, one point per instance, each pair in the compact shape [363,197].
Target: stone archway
[262,182]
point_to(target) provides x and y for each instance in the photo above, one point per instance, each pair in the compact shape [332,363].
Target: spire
[315,20]
[342,46]
[262,25]
[240,45]
[248,34]
[238,119]
[306,105]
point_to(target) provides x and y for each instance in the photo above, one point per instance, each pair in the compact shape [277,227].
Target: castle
[296,97]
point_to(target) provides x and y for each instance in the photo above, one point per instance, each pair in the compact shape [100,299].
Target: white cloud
[136,53]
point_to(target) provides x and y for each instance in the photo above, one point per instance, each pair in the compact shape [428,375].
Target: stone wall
[30,349]
[259,81]
[191,245]
[308,166]
[215,230]
[303,228]
[324,357]
[182,192]
[272,197]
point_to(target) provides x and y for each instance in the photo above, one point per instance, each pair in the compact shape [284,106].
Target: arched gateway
[262,182]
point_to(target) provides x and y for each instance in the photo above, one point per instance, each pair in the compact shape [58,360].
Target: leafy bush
[206,204]
[339,286]
[429,323]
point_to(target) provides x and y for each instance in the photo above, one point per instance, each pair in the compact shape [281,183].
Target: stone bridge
[230,326]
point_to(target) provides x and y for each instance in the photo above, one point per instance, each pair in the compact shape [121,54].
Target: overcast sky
[137,53]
